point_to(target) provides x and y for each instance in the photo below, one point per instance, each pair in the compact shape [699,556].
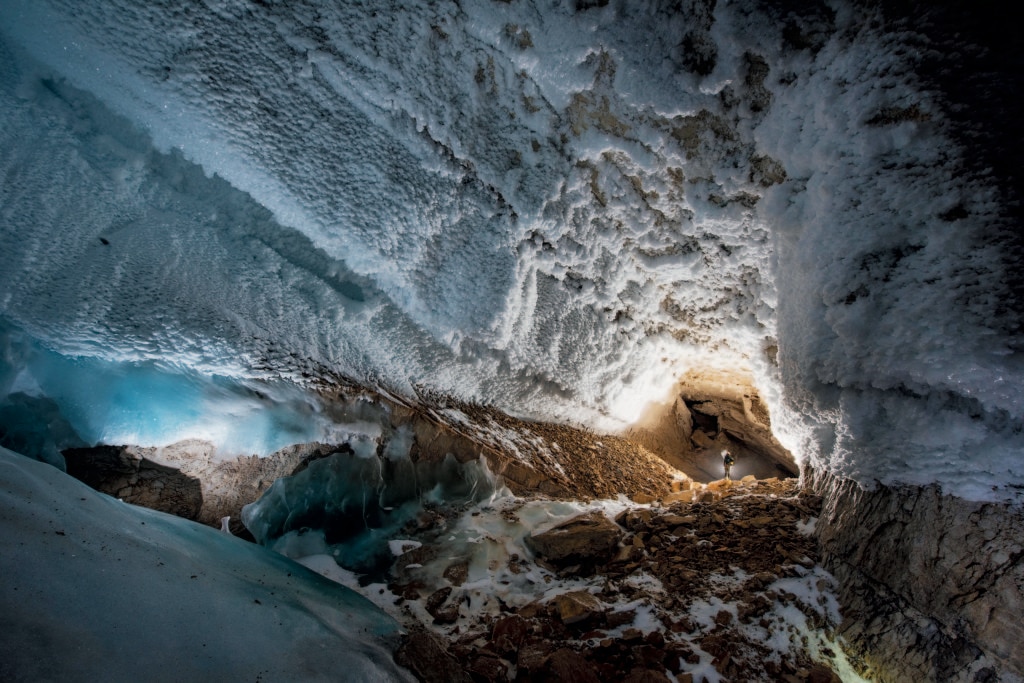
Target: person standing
[728,461]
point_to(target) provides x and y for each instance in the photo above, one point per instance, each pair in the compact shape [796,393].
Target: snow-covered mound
[95,589]
[556,208]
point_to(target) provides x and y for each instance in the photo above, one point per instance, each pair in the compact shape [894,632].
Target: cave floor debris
[724,588]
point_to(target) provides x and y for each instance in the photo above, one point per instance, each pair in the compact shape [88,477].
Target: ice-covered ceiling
[557,208]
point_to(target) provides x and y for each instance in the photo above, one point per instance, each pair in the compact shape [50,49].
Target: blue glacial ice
[95,589]
[350,506]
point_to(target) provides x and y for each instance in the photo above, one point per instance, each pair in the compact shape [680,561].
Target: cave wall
[931,585]
[712,411]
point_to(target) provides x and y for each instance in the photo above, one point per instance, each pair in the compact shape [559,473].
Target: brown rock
[532,657]
[655,638]
[508,634]
[676,520]
[437,598]
[680,497]
[701,440]
[566,666]
[676,655]
[531,610]
[457,573]
[489,668]
[448,614]
[576,607]
[652,656]
[632,635]
[645,676]
[820,673]
[426,656]
[616,619]
[685,520]
[627,553]
[586,540]
[443,614]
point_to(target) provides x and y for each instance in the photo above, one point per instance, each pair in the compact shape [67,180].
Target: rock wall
[137,480]
[186,478]
[931,586]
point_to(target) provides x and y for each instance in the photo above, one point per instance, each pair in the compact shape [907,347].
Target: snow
[202,202]
[95,589]
[399,546]
[807,528]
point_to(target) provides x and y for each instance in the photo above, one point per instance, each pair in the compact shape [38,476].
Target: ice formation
[113,592]
[556,208]
[354,506]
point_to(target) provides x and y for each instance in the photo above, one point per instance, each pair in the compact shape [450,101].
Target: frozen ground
[721,591]
[554,211]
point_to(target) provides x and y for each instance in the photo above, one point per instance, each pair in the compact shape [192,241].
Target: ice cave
[394,341]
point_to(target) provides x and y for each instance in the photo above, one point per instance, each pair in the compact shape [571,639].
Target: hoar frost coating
[551,210]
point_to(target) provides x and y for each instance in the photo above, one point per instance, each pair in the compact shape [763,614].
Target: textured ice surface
[53,401]
[354,506]
[95,589]
[551,210]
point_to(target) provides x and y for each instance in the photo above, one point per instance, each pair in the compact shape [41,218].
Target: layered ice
[53,401]
[95,589]
[553,208]
[353,506]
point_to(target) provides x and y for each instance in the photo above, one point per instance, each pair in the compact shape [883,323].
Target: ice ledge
[95,589]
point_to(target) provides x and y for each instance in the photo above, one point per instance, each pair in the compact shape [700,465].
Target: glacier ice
[55,401]
[353,506]
[95,589]
[553,211]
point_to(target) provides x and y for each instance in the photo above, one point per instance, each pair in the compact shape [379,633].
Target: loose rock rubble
[724,588]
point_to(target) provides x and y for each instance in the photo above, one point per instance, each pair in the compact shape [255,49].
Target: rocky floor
[723,588]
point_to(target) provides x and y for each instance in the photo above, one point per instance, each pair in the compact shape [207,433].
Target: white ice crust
[519,203]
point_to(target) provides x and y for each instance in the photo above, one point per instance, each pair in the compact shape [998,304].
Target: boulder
[425,655]
[566,666]
[457,573]
[586,540]
[509,633]
[680,497]
[442,613]
[646,676]
[576,607]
